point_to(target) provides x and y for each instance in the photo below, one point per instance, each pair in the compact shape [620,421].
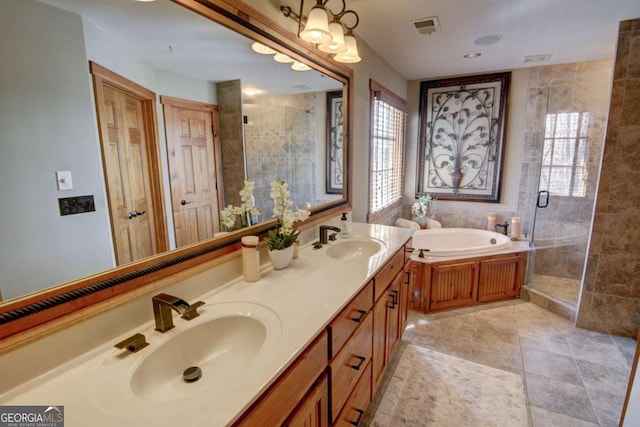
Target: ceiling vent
[427,26]
[537,58]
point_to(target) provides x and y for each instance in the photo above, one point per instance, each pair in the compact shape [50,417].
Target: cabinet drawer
[273,407]
[388,272]
[343,326]
[349,365]
[358,401]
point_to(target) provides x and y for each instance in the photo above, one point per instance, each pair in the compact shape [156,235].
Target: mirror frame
[26,319]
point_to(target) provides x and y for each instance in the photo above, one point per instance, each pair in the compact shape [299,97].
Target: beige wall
[474,214]
[609,302]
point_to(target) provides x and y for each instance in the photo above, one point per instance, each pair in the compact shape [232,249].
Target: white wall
[43,78]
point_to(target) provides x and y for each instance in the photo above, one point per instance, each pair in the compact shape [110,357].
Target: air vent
[537,58]
[427,26]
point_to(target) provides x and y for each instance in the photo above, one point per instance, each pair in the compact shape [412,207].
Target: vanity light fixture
[282,58]
[299,66]
[328,30]
[258,47]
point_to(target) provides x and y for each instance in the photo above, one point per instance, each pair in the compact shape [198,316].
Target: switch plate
[76,205]
[64,180]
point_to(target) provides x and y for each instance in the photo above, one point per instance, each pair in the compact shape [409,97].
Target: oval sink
[221,348]
[228,343]
[352,248]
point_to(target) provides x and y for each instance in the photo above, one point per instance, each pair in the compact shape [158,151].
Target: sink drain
[192,374]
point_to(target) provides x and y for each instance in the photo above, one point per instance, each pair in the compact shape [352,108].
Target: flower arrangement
[230,214]
[424,208]
[284,235]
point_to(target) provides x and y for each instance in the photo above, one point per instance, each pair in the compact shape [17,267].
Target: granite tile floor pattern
[570,376]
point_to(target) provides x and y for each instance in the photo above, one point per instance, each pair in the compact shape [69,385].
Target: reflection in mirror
[49,124]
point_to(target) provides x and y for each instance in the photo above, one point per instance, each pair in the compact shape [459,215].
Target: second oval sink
[352,248]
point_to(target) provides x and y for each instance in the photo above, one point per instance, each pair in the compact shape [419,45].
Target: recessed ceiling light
[250,92]
[472,55]
[485,40]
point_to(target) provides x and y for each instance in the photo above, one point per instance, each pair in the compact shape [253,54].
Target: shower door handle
[543,199]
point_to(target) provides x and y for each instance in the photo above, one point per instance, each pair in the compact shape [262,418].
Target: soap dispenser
[344,225]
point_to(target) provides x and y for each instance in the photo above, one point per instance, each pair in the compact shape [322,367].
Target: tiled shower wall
[280,138]
[562,229]
[611,290]
[230,117]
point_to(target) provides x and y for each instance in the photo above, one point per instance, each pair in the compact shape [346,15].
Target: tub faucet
[504,227]
[324,230]
[162,306]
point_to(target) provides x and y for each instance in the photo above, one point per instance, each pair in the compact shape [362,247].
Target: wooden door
[126,120]
[194,168]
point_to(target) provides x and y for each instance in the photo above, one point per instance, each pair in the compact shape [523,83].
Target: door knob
[135,213]
[184,202]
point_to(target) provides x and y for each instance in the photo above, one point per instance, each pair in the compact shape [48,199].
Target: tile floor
[571,376]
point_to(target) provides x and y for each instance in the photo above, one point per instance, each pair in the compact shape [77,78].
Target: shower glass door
[571,124]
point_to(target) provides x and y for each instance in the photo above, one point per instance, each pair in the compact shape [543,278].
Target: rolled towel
[405,223]
[432,223]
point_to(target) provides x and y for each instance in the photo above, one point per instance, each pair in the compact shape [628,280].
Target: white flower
[424,207]
[281,207]
[228,215]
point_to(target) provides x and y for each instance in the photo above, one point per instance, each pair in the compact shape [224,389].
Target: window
[388,128]
[564,169]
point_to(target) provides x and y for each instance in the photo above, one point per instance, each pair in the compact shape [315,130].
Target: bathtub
[459,241]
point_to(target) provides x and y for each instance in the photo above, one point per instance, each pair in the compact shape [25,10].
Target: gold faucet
[162,306]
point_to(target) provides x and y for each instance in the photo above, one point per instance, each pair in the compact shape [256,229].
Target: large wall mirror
[262,120]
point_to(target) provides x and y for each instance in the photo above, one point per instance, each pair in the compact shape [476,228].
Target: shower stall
[281,142]
[566,120]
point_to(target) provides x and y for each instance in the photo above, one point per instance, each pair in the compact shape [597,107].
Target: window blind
[387,150]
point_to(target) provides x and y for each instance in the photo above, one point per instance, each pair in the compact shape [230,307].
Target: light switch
[64,180]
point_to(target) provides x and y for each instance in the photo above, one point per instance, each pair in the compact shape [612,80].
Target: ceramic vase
[281,258]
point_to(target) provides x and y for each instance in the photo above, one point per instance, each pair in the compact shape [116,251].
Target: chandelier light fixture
[328,30]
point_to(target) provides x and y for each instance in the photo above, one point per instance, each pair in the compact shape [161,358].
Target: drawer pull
[359,318]
[361,360]
[408,273]
[394,299]
[357,420]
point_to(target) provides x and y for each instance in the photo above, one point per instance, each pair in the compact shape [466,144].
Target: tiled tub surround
[305,296]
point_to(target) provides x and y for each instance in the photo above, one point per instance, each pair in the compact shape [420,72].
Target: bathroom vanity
[309,343]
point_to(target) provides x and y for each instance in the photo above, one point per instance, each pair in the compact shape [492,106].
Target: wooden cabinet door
[404,299]
[314,409]
[415,286]
[393,316]
[454,285]
[501,278]
[379,340]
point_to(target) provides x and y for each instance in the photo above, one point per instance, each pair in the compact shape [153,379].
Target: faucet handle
[192,311]
[134,343]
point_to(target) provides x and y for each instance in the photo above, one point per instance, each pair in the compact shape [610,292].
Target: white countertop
[304,296]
